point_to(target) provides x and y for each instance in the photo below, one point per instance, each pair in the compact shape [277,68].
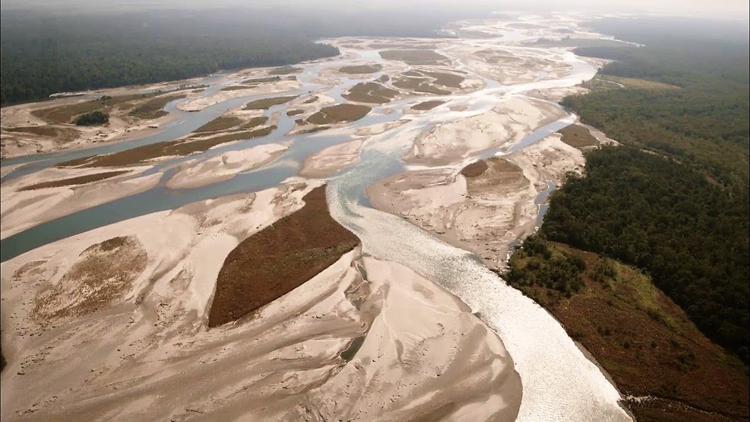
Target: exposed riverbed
[495,96]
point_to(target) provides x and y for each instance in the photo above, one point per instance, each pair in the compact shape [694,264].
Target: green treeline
[673,200]
[42,55]
[658,215]
[82,45]
[706,127]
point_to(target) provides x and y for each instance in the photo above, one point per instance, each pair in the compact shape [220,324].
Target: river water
[559,382]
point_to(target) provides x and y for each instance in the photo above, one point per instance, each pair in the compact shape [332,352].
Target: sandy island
[195,173]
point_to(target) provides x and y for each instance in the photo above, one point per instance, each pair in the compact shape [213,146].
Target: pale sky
[733,9]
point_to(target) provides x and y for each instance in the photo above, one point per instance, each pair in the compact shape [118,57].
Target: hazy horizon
[726,9]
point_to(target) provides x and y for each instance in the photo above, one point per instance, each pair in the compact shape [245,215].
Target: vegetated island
[278,259]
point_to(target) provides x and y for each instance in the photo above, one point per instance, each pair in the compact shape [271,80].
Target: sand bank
[485,211]
[332,160]
[196,173]
[506,123]
[345,344]
[23,209]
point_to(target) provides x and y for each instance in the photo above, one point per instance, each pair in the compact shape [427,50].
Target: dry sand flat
[506,123]
[486,206]
[512,66]
[327,349]
[196,173]
[332,160]
[25,204]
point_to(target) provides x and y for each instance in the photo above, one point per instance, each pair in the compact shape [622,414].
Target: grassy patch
[61,135]
[361,69]
[417,84]
[370,92]
[79,180]
[267,103]
[66,113]
[284,70]
[427,105]
[219,123]
[164,149]
[235,87]
[153,109]
[416,57]
[578,136]
[339,113]
[255,81]
[278,259]
[450,80]
[643,340]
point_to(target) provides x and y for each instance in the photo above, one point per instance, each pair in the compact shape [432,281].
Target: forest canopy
[45,55]
[673,199]
[47,51]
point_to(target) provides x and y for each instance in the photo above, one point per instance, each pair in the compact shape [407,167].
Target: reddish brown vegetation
[80,180]
[645,342]
[427,105]
[278,259]
[165,149]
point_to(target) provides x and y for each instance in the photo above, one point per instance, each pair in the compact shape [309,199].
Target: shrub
[95,118]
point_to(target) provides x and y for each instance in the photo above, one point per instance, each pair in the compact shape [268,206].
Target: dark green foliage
[705,123]
[44,54]
[95,118]
[91,45]
[702,128]
[536,265]
[674,200]
[659,215]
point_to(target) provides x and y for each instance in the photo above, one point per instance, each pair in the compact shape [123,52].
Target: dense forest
[45,55]
[673,200]
[687,233]
[45,52]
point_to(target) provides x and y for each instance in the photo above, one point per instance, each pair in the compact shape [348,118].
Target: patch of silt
[102,273]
